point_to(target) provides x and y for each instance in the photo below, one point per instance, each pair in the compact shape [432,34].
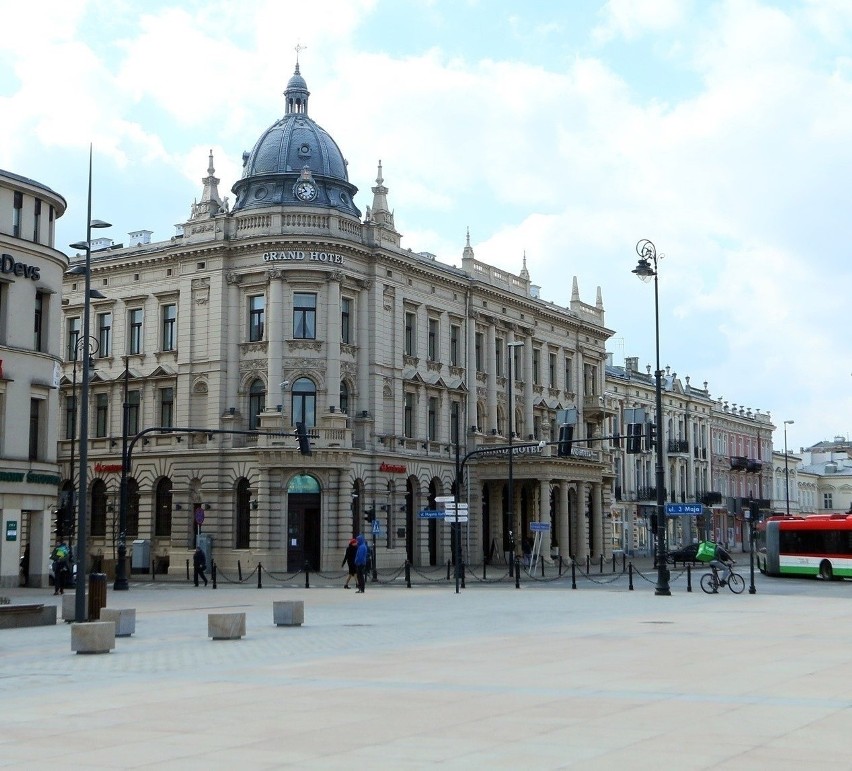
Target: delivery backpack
[706,551]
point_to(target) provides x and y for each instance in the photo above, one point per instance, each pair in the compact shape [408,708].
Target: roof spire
[525,274]
[296,94]
[382,215]
[210,204]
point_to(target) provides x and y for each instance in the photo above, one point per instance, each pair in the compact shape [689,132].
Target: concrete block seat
[226,626]
[28,614]
[69,606]
[93,637]
[288,612]
[123,618]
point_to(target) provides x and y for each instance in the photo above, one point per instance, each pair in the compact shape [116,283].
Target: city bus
[817,545]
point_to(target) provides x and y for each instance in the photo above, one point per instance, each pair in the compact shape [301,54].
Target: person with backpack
[716,558]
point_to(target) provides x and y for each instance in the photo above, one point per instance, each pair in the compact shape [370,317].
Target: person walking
[199,564]
[362,553]
[59,558]
[349,560]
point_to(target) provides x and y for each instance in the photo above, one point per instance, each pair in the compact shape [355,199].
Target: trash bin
[97,595]
[140,557]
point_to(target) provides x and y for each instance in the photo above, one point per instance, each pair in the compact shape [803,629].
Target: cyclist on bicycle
[722,561]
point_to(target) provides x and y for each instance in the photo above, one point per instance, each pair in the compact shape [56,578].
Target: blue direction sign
[683,509]
[539,527]
[430,514]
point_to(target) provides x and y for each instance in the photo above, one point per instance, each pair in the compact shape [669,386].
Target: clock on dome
[306,190]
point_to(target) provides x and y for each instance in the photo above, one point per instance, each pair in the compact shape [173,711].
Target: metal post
[121,583]
[786,467]
[752,512]
[513,533]
[648,252]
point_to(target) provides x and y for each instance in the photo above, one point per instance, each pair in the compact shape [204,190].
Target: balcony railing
[739,463]
[679,446]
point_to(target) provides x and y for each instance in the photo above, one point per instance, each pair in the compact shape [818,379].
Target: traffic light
[304,442]
[369,514]
[566,435]
[64,520]
[634,438]
[650,436]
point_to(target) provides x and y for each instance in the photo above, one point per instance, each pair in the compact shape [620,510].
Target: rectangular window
[410,349]
[35,429]
[37,220]
[455,337]
[16,215]
[73,338]
[101,414]
[498,352]
[345,320]
[826,501]
[569,380]
[478,351]
[3,306]
[167,406]
[408,415]
[433,418]
[133,402]
[257,310]
[169,327]
[551,370]
[105,334]
[71,417]
[433,340]
[39,321]
[536,362]
[134,342]
[304,316]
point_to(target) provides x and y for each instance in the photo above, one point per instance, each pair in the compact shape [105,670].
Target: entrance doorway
[304,523]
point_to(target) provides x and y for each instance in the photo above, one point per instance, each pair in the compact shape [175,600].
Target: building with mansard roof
[292,307]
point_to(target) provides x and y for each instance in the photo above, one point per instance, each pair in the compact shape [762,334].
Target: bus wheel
[825,572]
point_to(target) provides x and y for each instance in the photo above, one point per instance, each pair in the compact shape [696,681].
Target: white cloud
[630,19]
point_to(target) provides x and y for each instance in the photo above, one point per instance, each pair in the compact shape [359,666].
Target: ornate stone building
[30,285]
[291,306]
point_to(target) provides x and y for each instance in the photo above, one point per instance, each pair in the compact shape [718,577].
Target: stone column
[275,329]
[491,369]
[365,400]
[528,390]
[332,354]
[563,522]
[596,520]
[232,346]
[581,541]
[470,375]
[544,515]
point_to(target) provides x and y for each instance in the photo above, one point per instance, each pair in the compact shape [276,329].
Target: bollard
[187,570]
[542,567]
[689,578]
[560,566]
[153,570]
[623,561]
[630,577]
[517,573]
[613,562]
[601,568]
[484,569]
[259,571]
[408,574]
[239,571]
[213,573]
[307,575]
[573,573]
[588,564]
[448,570]
[462,574]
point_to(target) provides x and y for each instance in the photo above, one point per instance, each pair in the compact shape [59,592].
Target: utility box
[205,541]
[140,557]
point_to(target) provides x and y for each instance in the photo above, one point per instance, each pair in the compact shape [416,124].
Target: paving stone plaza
[493,677]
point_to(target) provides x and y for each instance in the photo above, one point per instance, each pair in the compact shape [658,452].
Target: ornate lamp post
[82,509]
[513,536]
[647,254]
[121,583]
[786,467]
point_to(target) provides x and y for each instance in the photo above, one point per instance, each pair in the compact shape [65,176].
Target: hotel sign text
[297,256]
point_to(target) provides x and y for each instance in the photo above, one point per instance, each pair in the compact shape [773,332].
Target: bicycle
[710,582]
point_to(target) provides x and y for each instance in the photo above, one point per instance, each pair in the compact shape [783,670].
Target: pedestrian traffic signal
[304,442]
[650,436]
[566,436]
[634,438]
[369,514]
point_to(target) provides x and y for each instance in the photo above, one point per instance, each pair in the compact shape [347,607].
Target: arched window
[304,403]
[243,515]
[163,508]
[257,400]
[344,397]
[99,509]
[132,508]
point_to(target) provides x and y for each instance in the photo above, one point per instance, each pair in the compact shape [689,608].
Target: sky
[563,131]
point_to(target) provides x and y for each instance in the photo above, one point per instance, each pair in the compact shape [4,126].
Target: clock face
[306,191]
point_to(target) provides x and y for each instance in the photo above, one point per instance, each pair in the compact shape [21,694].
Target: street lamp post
[121,583]
[511,507]
[82,508]
[786,467]
[647,254]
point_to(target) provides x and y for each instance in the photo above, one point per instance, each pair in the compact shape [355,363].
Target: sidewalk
[492,677]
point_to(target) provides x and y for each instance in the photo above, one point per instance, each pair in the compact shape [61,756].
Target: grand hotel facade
[292,306]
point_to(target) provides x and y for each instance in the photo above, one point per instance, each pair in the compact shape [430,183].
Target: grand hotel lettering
[297,256]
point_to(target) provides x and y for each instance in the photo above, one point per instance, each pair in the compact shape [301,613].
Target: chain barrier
[420,573]
[287,576]
[588,576]
[672,576]
[471,575]
[222,576]
[397,574]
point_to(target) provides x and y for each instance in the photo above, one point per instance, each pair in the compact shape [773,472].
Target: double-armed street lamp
[82,476]
[645,270]
[510,514]
[786,467]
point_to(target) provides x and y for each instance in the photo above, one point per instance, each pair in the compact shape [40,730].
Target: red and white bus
[817,545]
